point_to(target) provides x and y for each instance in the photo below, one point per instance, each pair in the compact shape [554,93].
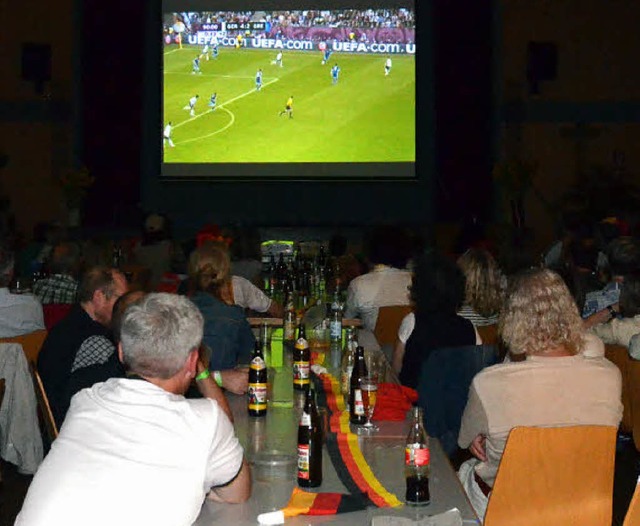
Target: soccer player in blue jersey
[259,80]
[335,71]
[212,101]
[196,66]
[327,54]
[215,50]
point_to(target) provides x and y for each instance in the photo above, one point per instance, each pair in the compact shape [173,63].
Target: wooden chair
[388,323]
[561,475]
[632,518]
[44,409]
[31,343]
[619,355]
[632,384]
[488,333]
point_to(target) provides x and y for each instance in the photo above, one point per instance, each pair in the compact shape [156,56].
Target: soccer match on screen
[289,86]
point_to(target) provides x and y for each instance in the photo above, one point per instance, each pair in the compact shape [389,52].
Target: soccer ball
[323,62]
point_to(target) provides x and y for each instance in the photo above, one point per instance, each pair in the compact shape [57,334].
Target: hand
[477,448]
[235,380]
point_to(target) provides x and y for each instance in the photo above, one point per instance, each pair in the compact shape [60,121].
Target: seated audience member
[623,255]
[386,284]
[19,313]
[246,260]
[61,286]
[484,285]
[157,251]
[79,350]
[227,332]
[437,291]
[612,329]
[554,386]
[237,290]
[133,450]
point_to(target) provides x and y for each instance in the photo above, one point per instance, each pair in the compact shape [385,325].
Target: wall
[36,130]
[597,87]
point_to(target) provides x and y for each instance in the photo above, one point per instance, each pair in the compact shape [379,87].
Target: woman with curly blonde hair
[484,288]
[227,332]
[556,385]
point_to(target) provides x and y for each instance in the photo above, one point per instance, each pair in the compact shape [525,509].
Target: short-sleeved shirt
[248,296]
[19,314]
[541,391]
[57,288]
[131,453]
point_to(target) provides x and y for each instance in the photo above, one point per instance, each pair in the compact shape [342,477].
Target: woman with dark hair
[612,329]
[437,291]
[484,287]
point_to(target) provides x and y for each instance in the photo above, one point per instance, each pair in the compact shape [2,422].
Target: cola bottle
[416,462]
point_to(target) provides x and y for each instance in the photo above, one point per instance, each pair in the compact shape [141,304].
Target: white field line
[208,75]
[172,51]
[228,125]
[224,104]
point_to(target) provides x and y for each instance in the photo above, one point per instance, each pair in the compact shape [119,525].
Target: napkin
[306,503]
[393,401]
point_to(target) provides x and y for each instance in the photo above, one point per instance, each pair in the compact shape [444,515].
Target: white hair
[157,334]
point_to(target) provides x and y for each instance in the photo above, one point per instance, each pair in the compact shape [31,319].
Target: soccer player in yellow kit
[288,108]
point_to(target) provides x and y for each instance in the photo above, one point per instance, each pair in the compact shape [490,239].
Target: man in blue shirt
[259,80]
[196,66]
[327,54]
[212,101]
[335,71]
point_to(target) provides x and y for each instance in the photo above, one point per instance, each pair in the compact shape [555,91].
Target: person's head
[65,259]
[119,307]
[623,254]
[156,228]
[630,296]
[6,265]
[99,289]
[539,315]
[483,281]
[158,336]
[210,267]
[389,245]
[437,285]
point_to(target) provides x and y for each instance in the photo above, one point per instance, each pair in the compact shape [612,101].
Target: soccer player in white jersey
[387,67]
[205,52]
[278,60]
[166,135]
[191,107]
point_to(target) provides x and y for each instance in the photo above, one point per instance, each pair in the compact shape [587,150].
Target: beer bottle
[301,361]
[356,404]
[309,445]
[289,329]
[257,390]
[348,358]
[416,462]
[335,323]
[270,282]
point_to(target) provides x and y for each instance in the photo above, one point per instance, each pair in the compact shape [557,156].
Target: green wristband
[218,378]
[203,375]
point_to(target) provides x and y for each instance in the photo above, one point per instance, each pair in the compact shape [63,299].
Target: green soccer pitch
[365,117]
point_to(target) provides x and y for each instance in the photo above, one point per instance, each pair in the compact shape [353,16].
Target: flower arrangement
[75,183]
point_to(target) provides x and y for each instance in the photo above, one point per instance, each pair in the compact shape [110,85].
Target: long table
[270,446]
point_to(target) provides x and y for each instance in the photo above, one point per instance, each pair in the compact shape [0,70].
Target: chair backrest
[632,518]
[619,355]
[46,415]
[555,475]
[55,312]
[31,343]
[632,385]
[388,323]
[443,388]
[488,333]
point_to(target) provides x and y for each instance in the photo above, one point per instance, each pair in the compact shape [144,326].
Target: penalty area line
[220,106]
[228,125]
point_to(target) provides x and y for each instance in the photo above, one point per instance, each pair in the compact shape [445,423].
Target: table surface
[275,437]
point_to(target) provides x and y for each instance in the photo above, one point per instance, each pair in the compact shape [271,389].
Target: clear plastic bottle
[346,367]
[417,462]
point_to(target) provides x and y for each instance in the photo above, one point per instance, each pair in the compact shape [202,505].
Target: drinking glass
[369,388]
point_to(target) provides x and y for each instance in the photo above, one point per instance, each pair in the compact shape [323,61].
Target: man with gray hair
[134,450]
[19,313]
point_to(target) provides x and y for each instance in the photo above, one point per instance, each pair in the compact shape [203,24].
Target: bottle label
[358,404]
[257,397]
[416,456]
[305,420]
[257,364]
[301,373]
[303,461]
[335,329]
[346,379]
[301,344]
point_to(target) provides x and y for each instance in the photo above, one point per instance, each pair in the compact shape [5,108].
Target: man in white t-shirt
[248,296]
[134,450]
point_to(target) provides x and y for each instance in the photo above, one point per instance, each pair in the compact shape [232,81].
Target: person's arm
[236,491]
[235,380]
[602,316]
[474,425]
[398,355]
[209,389]
[275,309]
